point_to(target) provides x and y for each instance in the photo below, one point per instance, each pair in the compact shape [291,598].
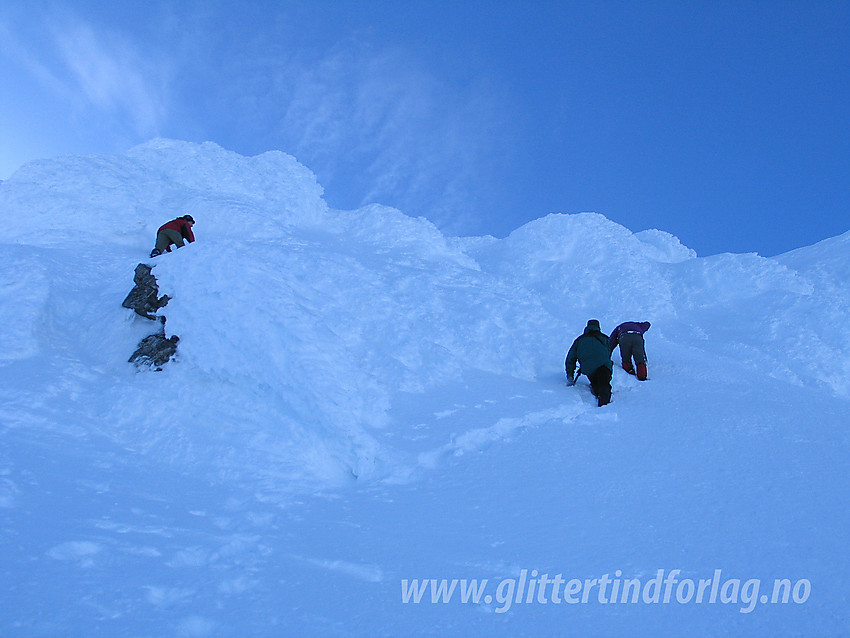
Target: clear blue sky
[724,123]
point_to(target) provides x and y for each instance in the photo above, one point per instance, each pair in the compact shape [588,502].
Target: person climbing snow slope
[629,336]
[173,233]
[592,353]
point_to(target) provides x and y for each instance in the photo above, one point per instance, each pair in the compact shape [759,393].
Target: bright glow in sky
[724,123]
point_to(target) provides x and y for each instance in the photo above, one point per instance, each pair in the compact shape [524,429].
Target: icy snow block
[144,297]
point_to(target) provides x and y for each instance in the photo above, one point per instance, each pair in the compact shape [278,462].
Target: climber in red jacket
[174,232]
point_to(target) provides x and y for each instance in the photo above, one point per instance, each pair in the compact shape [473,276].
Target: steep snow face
[300,327]
[347,381]
[813,324]
[23,302]
[305,330]
[583,264]
[322,332]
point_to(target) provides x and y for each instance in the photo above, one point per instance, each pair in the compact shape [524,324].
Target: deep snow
[360,400]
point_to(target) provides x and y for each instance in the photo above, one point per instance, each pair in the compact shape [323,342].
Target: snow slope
[360,400]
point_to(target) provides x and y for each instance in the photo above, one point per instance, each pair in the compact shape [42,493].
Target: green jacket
[591,351]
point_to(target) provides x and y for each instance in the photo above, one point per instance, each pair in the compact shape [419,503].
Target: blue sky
[724,123]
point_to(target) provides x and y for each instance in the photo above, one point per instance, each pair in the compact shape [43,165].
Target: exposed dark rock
[155,350]
[144,297]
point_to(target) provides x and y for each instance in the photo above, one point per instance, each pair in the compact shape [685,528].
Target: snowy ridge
[111,199]
[364,357]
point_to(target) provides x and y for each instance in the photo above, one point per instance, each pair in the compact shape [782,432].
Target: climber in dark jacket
[173,233]
[629,336]
[591,351]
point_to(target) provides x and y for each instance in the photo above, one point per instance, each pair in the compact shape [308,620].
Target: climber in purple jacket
[629,336]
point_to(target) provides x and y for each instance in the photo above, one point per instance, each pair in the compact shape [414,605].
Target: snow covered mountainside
[359,401]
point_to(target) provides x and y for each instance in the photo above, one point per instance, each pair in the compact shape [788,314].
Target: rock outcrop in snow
[144,298]
[155,349]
